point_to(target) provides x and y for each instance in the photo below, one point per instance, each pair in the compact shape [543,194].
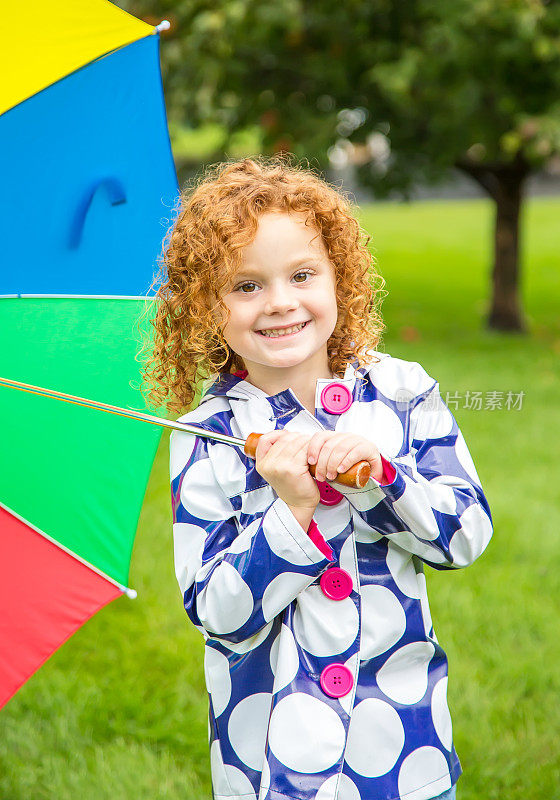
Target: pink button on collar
[327,495]
[336,398]
[336,680]
[336,583]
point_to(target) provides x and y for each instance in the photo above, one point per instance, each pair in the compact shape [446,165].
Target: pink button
[336,680]
[336,583]
[336,398]
[327,495]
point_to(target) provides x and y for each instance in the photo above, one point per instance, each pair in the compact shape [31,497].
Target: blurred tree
[422,86]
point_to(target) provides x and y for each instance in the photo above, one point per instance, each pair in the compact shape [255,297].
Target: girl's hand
[281,458]
[336,452]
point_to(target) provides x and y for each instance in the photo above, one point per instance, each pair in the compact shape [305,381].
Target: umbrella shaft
[124,412]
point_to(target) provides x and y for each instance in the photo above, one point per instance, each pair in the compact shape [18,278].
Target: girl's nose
[279,301]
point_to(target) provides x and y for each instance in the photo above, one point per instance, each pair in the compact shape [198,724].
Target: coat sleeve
[435,507]
[234,579]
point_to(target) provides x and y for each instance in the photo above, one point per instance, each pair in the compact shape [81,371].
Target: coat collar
[285,401]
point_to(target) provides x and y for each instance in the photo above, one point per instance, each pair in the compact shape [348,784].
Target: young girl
[325,677]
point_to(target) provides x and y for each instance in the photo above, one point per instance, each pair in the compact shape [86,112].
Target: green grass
[121,709]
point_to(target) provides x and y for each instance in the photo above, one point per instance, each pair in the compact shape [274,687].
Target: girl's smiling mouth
[276,333]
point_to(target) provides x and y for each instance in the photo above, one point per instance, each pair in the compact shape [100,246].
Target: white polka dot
[465,459]
[251,643]
[188,544]
[206,569]
[247,726]
[257,501]
[425,604]
[243,541]
[228,467]
[181,446]
[472,538]
[265,780]
[220,784]
[299,423]
[394,375]
[383,620]
[281,591]
[251,416]
[338,787]
[201,494]
[378,423]
[347,559]
[415,511]
[218,680]
[332,520]
[403,397]
[401,567]
[426,765]
[369,497]
[281,541]
[434,420]
[305,734]
[240,784]
[408,541]
[441,495]
[440,714]
[226,602]
[362,531]
[404,676]
[323,626]
[347,700]
[375,738]
[284,659]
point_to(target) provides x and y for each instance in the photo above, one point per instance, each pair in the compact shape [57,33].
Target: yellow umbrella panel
[49,40]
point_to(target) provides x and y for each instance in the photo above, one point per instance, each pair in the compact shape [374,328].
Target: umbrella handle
[356,477]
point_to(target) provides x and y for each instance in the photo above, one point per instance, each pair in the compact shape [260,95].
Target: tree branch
[492,174]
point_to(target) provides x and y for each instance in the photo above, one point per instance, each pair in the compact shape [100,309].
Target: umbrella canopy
[87,195]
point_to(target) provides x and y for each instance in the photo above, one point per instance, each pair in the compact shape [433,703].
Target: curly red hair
[217,217]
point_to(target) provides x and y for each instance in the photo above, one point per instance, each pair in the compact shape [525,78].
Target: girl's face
[285,278]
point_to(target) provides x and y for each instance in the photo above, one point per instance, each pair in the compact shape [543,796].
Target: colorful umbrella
[87,191]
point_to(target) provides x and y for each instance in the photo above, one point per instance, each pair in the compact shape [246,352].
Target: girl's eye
[242,285]
[250,283]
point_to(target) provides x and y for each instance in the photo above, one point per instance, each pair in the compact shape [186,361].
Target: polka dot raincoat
[325,677]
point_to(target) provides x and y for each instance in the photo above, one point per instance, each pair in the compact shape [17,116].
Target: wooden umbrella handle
[356,477]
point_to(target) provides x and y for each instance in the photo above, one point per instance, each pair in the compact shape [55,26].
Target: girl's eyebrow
[247,272]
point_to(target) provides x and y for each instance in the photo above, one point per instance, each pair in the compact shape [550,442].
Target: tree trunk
[504,184]
[505,312]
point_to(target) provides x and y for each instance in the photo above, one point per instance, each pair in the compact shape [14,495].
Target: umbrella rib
[77,296]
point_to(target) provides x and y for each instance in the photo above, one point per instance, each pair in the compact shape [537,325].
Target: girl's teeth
[273,332]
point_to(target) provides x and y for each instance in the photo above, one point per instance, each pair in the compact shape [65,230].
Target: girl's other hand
[336,452]
[281,458]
